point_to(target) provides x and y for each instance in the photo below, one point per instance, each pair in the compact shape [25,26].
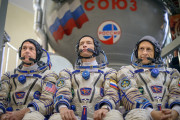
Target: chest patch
[20,95]
[156,89]
[85,91]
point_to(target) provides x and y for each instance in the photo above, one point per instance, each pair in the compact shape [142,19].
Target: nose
[27,50]
[84,45]
[145,51]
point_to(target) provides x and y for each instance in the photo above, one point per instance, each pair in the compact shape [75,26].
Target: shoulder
[128,68]
[66,72]
[7,75]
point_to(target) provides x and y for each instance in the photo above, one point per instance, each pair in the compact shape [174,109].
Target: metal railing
[9,46]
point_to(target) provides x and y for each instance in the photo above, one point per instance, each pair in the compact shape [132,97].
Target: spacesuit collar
[148,66]
[93,63]
[33,67]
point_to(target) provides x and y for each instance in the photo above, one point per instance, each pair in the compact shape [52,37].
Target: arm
[129,93]
[174,94]
[110,97]
[4,91]
[64,95]
[63,85]
[45,103]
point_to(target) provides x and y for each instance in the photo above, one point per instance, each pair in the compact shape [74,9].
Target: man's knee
[137,114]
[55,116]
[33,116]
[113,115]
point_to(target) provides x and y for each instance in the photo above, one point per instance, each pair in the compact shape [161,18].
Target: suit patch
[60,83]
[113,84]
[124,84]
[85,91]
[156,89]
[19,95]
[37,95]
[179,83]
[50,87]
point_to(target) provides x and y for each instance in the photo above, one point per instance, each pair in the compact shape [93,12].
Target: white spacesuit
[150,87]
[30,87]
[90,87]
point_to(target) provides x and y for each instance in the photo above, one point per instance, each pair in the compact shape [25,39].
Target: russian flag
[66,18]
[55,26]
[78,13]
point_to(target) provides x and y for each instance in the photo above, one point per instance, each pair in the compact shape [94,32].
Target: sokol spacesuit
[30,87]
[147,88]
[89,90]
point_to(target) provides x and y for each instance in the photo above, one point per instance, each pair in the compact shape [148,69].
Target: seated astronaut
[27,92]
[89,91]
[148,89]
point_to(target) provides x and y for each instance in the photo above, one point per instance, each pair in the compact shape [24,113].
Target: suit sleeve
[174,88]
[4,91]
[45,103]
[110,97]
[63,85]
[130,95]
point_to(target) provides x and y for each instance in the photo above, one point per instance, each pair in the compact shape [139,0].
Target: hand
[4,117]
[156,115]
[100,114]
[169,114]
[17,115]
[67,114]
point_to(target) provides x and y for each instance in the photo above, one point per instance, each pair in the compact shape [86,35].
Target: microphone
[91,50]
[151,59]
[80,50]
[26,63]
[22,58]
[139,60]
[31,59]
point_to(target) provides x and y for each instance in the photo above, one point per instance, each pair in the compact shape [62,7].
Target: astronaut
[148,89]
[27,92]
[90,91]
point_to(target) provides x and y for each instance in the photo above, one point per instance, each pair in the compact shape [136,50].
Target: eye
[24,48]
[149,49]
[89,42]
[81,43]
[141,49]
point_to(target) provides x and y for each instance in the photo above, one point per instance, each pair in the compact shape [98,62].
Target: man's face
[145,50]
[84,44]
[28,51]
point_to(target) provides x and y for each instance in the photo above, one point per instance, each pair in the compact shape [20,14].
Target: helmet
[39,50]
[154,42]
[97,47]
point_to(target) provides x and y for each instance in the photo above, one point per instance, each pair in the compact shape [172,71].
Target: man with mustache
[89,91]
[148,89]
[27,92]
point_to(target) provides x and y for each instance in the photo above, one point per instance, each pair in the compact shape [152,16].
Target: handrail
[7,56]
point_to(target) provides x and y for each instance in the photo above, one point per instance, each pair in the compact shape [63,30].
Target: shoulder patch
[124,83]
[60,83]
[50,87]
[113,84]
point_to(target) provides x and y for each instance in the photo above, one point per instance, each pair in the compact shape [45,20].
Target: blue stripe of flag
[78,12]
